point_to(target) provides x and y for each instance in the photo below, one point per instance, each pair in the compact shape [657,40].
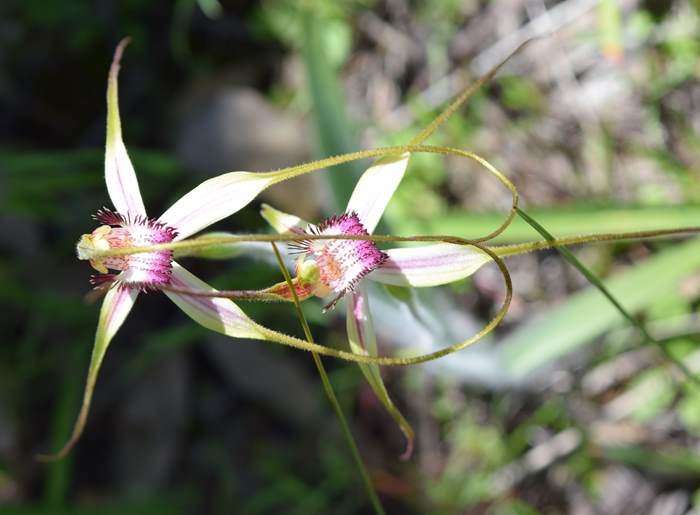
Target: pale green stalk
[553,243]
[499,250]
[458,102]
[330,393]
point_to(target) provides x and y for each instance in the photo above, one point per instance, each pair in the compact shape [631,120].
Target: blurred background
[562,410]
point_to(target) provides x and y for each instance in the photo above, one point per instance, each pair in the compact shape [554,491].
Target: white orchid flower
[125,276]
[338,267]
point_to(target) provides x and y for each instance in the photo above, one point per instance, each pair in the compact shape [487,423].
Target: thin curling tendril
[298,170]
[291,341]
[284,339]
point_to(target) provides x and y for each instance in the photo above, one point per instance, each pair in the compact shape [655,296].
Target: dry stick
[330,393]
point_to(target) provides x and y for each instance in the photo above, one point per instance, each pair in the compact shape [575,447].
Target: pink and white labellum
[340,263]
[142,271]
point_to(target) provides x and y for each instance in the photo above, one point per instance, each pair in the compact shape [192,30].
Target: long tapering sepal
[116,306]
[122,185]
[362,340]
[218,314]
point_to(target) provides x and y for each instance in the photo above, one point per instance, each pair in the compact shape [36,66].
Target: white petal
[218,314]
[116,306]
[362,340]
[359,324]
[429,265]
[122,185]
[376,187]
[214,200]
[361,337]
[280,221]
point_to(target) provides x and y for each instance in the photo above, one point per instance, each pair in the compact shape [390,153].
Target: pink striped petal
[122,185]
[360,329]
[376,187]
[280,221]
[217,314]
[362,340]
[429,265]
[214,200]
[115,307]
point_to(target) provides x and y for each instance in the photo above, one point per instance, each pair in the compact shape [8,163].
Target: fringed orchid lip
[143,271]
[341,263]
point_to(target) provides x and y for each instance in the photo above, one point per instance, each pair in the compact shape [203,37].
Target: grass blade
[585,316]
[334,135]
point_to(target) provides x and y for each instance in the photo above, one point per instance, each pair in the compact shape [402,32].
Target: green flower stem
[253,295]
[593,279]
[555,243]
[493,252]
[330,393]
[499,250]
[458,102]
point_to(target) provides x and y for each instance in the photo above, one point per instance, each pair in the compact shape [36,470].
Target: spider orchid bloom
[338,267]
[125,276]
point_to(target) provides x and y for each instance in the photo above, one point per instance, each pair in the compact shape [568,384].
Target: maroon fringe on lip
[100,280]
[109,217]
[108,280]
[162,233]
[365,251]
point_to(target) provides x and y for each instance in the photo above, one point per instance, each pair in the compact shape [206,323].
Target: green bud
[308,272]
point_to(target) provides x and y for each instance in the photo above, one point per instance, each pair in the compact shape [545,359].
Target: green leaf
[671,461]
[333,127]
[689,411]
[588,314]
